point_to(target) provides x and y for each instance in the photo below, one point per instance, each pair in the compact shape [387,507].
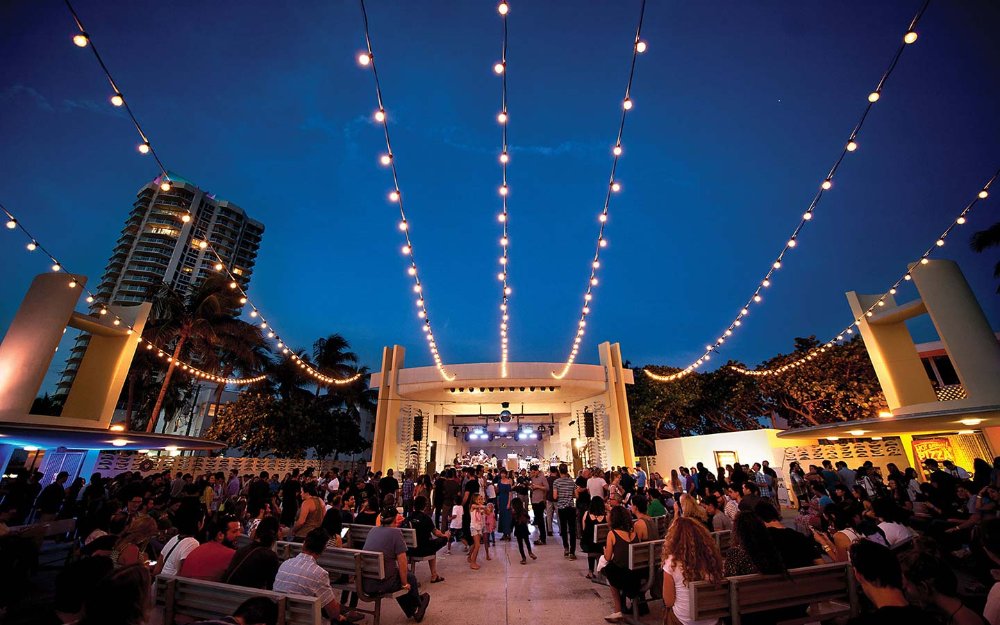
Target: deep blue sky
[740,110]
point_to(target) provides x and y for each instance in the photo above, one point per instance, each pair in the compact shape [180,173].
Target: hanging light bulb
[81,40]
[144,148]
[11,223]
[72,284]
[984,194]
[503,8]
[504,157]
[364,59]
[616,187]
[852,145]
[640,46]
[165,185]
[56,267]
[909,37]
[502,117]
[960,220]
[617,150]
[827,184]
[874,96]
[406,249]
[186,218]
[32,246]
[627,104]
[498,68]
[380,115]
[807,215]
[385,159]
[503,189]
[117,99]
[394,196]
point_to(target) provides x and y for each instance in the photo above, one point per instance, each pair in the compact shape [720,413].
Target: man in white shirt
[596,485]
[334,484]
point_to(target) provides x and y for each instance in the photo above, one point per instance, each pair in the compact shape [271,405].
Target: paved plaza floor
[551,590]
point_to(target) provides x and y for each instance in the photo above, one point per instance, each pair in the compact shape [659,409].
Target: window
[947,371]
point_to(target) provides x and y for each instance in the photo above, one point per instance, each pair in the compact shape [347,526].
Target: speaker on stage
[418,427]
[588,424]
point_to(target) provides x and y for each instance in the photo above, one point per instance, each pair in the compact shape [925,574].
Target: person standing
[565,489]
[290,492]
[539,495]
[550,500]
[51,499]
[503,505]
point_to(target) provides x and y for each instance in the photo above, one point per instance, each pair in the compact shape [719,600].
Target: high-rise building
[157,247]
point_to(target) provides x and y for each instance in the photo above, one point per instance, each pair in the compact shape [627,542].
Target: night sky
[740,109]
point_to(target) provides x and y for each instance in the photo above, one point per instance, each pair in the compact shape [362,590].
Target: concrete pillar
[617,436]
[893,355]
[621,403]
[962,327]
[32,339]
[385,446]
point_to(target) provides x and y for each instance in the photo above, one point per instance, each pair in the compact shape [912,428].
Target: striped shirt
[565,490]
[302,576]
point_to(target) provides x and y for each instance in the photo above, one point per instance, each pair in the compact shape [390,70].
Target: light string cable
[74,282]
[851,145]
[939,242]
[367,59]
[638,47]
[500,68]
[83,39]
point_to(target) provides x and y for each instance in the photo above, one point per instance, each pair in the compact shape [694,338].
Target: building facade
[157,247]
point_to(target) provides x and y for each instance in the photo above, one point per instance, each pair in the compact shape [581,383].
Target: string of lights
[850,146]
[939,242]
[103,311]
[505,290]
[614,186]
[388,159]
[83,40]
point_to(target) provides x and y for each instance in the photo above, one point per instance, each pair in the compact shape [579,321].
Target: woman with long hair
[694,510]
[621,579]
[800,486]
[676,486]
[753,551]
[691,555]
[130,548]
[121,598]
[594,516]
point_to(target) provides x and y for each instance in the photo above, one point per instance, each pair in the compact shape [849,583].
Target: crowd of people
[918,549]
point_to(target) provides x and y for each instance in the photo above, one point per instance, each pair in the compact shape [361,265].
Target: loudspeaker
[588,424]
[418,427]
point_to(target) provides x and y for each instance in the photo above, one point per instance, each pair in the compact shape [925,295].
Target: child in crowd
[476,526]
[456,526]
[489,535]
[521,532]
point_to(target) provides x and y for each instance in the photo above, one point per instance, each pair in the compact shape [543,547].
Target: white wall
[750,446]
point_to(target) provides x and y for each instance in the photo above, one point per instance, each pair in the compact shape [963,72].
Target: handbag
[669,618]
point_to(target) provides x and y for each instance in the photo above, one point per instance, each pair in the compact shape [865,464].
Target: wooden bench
[831,585]
[194,599]
[49,530]
[358,534]
[724,540]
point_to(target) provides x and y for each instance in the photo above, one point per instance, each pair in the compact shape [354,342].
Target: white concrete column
[385,446]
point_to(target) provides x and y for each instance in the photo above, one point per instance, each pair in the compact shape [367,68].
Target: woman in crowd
[622,580]
[676,486]
[931,584]
[752,551]
[131,547]
[311,512]
[891,517]
[519,515]
[691,555]
[503,504]
[800,486]
[693,510]
[369,512]
[594,516]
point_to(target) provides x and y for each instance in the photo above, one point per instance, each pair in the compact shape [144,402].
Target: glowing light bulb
[603,218]
[852,145]
[909,37]
[504,190]
[406,249]
[394,196]
[32,246]
[498,68]
[807,216]
[827,184]
[11,224]
[90,299]
[593,281]
[960,220]
[602,242]
[218,266]
[617,150]
[504,158]
[907,277]
[924,261]
[104,311]
[503,8]
[165,185]
[616,187]
[243,300]
[81,40]
[627,104]
[503,260]
[233,285]
[380,115]
[984,194]
[640,46]
[385,159]
[417,288]
[504,241]
[502,117]
[874,96]
[777,264]
[117,99]
[364,59]
[72,284]
[202,244]
[792,243]
[186,218]
[56,267]
[940,242]
[144,148]
[501,218]
[508,291]
[411,270]
[757,298]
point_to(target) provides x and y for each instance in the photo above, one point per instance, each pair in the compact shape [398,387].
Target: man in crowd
[388,485]
[881,578]
[847,476]
[640,478]
[388,540]
[796,549]
[539,495]
[210,560]
[565,489]
[177,485]
[51,499]
[234,485]
[751,495]
[302,576]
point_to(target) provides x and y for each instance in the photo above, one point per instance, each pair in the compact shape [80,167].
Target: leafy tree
[45,405]
[984,240]
[246,423]
[661,410]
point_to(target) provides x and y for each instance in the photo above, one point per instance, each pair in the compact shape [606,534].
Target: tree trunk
[151,426]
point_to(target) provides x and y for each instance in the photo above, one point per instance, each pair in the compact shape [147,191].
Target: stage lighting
[502,429]
[505,413]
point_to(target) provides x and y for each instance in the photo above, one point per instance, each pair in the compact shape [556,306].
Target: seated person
[256,564]
[387,539]
[429,538]
[210,560]
[253,611]
[302,576]
[881,578]
[74,584]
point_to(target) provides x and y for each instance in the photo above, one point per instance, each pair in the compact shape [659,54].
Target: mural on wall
[848,450]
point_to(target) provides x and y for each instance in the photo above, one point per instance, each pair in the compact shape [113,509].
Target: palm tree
[200,318]
[241,350]
[985,239]
[332,355]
